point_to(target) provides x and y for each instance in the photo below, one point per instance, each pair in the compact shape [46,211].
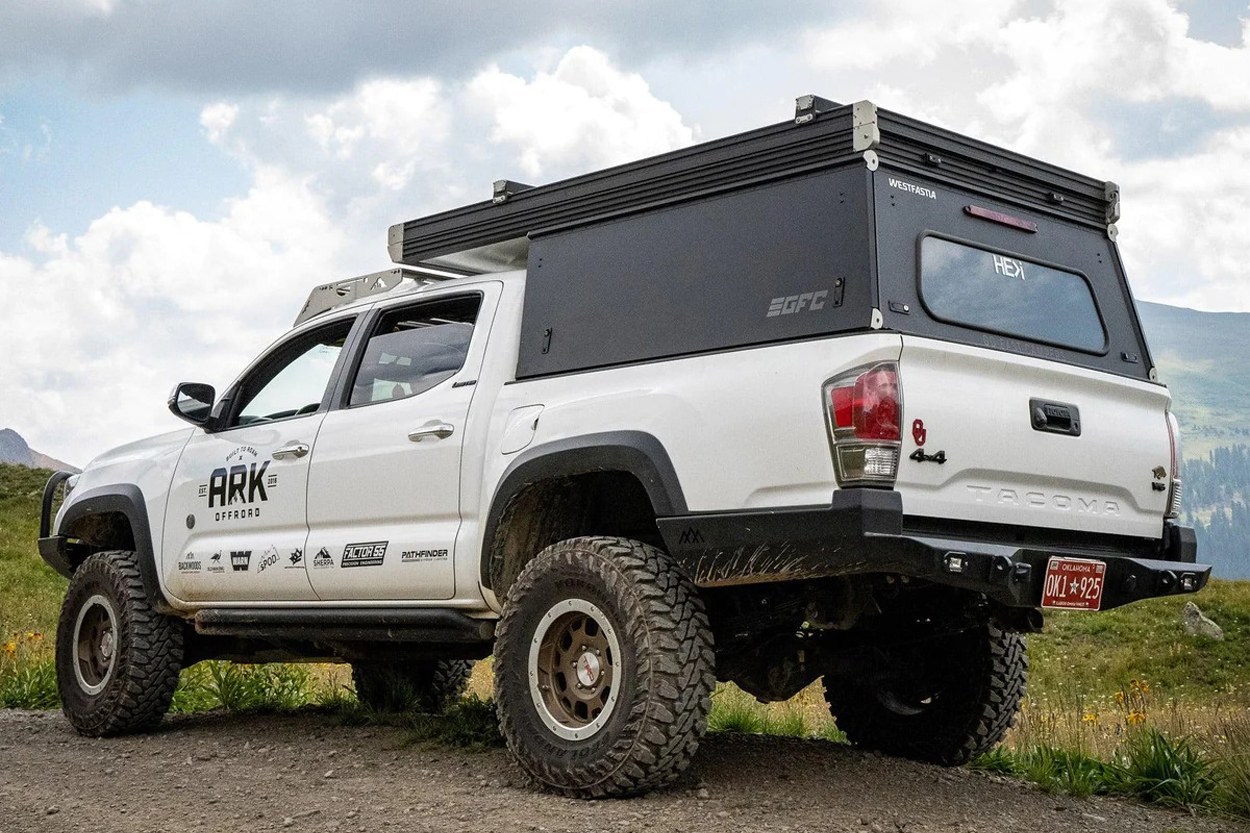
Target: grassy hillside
[1204,357]
[30,591]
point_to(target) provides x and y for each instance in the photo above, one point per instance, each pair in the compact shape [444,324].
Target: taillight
[1175,489]
[865,418]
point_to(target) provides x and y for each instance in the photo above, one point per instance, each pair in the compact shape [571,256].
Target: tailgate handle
[1055,417]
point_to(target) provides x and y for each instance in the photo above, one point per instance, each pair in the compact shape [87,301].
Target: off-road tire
[147,650]
[973,706]
[427,685]
[666,668]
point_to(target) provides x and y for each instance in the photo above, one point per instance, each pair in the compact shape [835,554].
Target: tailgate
[1004,463]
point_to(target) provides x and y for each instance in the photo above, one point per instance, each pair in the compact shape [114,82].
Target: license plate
[1073,584]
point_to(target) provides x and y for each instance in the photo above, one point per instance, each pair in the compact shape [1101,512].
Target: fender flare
[635,452]
[124,499]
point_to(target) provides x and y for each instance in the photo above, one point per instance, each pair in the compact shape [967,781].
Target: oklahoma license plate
[1073,584]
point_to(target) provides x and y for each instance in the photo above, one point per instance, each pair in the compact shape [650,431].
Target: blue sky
[176,176]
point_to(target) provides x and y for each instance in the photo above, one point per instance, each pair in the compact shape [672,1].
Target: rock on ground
[1197,624]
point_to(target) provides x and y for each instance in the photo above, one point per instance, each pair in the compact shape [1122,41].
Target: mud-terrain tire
[948,716]
[117,659]
[626,713]
[428,685]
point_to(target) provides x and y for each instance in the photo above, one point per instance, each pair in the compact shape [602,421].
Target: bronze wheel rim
[95,644]
[574,668]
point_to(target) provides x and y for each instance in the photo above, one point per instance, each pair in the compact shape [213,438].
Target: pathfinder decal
[322,559]
[240,559]
[918,190]
[364,555]
[422,555]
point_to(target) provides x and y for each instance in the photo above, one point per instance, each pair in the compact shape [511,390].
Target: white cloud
[149,295]
[1093,87]
[585,114]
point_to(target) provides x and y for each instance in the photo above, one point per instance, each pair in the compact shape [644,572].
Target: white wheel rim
[593,668]
[95,649]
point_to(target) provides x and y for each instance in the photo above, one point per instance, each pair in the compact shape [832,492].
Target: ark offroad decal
[214,563]
[364,555]
[240,559]
[237,490]
[322,559]
[410,556]
[189,563]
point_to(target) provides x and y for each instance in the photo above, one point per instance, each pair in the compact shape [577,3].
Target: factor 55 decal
[370,554]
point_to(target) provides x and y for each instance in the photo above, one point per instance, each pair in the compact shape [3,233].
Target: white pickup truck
[848,396]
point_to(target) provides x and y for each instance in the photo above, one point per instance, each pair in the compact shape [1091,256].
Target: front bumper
[862,531]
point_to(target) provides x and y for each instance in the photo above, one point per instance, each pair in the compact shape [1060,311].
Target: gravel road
[307,773]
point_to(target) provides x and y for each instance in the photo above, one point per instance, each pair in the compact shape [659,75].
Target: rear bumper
[863,531]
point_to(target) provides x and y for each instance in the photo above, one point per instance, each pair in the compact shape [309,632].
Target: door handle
[436,429]
[291,452]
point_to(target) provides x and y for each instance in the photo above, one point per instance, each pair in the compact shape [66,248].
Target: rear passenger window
[961,284]
[415,348]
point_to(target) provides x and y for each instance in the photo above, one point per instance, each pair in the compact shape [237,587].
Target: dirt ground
[308,773]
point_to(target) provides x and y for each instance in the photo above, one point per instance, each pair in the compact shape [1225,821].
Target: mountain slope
[13,449]
[1204,358]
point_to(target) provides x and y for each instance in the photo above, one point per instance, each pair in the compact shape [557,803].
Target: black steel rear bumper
[865,531]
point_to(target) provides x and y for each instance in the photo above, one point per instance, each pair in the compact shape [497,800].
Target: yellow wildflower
[1135,717]
[1119,698]
[9,649]
[1090,718]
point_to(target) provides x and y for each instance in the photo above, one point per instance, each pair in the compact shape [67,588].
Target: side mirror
[192,401]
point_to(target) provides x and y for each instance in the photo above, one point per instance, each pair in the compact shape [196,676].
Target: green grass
[30,590]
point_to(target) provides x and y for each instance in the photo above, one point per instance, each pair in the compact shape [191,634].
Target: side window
[293,379]
[413,349]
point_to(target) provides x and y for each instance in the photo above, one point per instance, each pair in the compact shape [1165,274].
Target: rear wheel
[603,668]
[427,685]
[943,700]
[117,659]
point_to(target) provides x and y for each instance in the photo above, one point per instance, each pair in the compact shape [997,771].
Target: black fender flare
[124,499]
[636,452]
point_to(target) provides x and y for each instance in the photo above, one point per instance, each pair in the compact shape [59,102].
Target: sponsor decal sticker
[237,490]
[322,559]
[267,560]
[214,563]
[918,190]
[409,556]
[295,559]
[240,559]
[364,555]
[790,304]
[190,564]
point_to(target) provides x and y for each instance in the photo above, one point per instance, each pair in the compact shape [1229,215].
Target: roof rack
[493,235]
[329,296]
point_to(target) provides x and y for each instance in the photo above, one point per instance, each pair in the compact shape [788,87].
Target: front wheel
[603,668]
[943,700]
[117,659]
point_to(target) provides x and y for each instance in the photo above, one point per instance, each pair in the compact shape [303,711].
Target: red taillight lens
[865,416]
[843,402]
[875,409]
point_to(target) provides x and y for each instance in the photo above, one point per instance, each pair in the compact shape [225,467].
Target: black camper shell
[815,227]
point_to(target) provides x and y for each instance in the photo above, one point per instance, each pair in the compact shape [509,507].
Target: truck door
[384,486]
[237,522]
